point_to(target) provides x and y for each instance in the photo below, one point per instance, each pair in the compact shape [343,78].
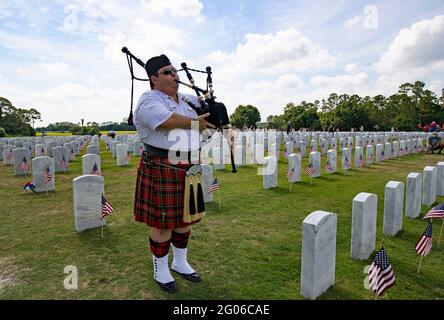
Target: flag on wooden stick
[424,244]
[107,208]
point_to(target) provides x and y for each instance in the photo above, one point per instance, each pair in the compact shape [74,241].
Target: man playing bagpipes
[169,194]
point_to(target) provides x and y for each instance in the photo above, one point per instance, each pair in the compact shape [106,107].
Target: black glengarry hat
[155,63]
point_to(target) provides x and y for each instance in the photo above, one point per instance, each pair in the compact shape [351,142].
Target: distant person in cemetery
[432,127]
[435,143]
[160,185]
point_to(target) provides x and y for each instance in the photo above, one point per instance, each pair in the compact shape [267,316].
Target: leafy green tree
[275,122]
[245,116]
[2,132]
[302,116]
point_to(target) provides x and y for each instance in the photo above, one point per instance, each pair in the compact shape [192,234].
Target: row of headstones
[318,263]
[271,172]
[44,148]
[40,165]
[346,139]
[20,157]
[247,150]
[122,146]
[247,154]
[354,138]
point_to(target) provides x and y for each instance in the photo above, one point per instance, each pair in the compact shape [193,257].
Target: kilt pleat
[159,196]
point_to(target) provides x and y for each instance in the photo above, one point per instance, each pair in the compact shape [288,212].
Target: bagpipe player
[168,196]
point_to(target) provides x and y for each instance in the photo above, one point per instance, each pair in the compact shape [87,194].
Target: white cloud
[352,22]
[418,46]
[177,8]
[145,39]
[352,68]
[287,50]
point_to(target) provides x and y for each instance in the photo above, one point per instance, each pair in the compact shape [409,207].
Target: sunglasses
[168,72]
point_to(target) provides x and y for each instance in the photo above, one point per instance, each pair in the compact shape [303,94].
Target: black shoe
[169,287]
[193,277]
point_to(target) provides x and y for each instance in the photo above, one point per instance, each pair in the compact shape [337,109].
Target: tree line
[410,107]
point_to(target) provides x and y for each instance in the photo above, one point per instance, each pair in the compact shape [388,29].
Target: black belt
[164,153]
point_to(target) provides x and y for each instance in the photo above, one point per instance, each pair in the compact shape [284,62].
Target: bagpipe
[207,100]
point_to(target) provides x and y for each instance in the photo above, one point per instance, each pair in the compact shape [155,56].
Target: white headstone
[315,160]
[122,155]
[8,155]
[91,164]
[207,173]
[429,185]
[413,195]
[294,165]
[138,148]
[92,149]
[369,154]
[379,153]
[87,198]
[218,161]
[43,169]
[318,253]
[346,159]
[303,148]
[70,151]
[332,158]
[60,155]
[359,157]
[270,172]
[440,179]
[288,149]
[393,207]
[40,150]
[22,161]
[363,237]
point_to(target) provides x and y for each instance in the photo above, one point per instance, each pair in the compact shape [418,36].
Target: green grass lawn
[251,249]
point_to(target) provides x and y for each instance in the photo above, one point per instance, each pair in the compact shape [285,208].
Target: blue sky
[63,57]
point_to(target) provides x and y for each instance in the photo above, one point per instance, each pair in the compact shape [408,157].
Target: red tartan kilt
[160,193]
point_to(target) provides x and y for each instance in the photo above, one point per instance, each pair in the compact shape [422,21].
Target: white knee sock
[180,263]
[161,271]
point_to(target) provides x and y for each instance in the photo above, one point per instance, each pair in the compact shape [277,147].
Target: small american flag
[309,169]
[401,151]
[24,165]
[290,173]
[43,150]
[128,157]
[328,166]
[346,162]
[361,161]
[382,155]
[63,164]
[107,208]
[424,243]
[214,186]
[95,170]
[141,149]
[436,212]
[47,175]
[380,274]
